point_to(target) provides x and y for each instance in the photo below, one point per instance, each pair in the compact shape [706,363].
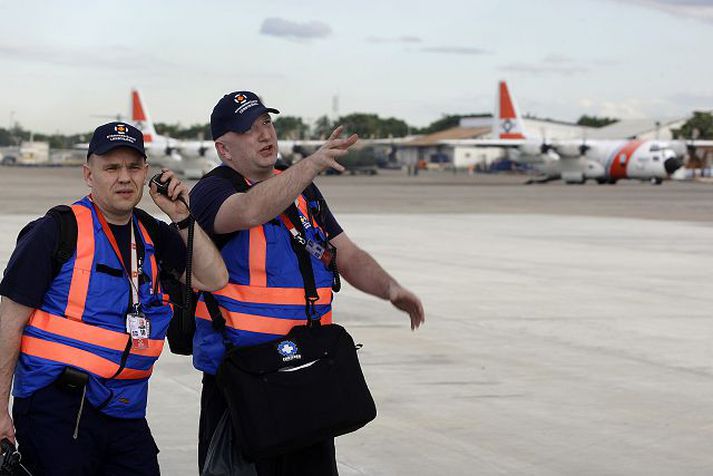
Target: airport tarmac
[568,328]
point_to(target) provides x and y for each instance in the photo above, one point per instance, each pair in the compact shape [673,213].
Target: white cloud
[557,59]
[696,9]
[631,108]
[295,30]
[544,68]
[400,39]
[459,50]
[112,58]
[553,63]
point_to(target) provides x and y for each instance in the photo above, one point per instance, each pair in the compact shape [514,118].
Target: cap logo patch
[247,105]
[240,98]
[122,134]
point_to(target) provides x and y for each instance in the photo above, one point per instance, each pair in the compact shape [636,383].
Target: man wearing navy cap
[83,315]
[240,204]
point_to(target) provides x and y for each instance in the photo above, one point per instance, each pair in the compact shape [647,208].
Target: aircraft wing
[503,143]
[699,143]
[319,142]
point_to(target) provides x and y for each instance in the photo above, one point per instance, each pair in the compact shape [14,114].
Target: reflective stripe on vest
[292,296]
[79,358]
[255,323]
[257,257]
[83,263]
[93,335]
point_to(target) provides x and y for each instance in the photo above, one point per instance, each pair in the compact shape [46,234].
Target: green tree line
[367,125]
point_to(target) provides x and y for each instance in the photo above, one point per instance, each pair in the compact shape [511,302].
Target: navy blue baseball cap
[116,134]
[236,112]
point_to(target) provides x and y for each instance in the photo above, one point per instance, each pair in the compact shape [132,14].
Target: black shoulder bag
[299,389]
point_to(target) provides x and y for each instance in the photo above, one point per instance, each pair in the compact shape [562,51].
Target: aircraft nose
[672,164]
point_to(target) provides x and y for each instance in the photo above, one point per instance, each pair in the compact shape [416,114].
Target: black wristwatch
[183,224]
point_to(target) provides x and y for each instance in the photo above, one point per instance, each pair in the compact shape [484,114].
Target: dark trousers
[315,460]
[45,424]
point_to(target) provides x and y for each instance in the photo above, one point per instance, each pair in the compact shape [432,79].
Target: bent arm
[13,318]
[363,272]
[208,269]
[264,201]
[269,198]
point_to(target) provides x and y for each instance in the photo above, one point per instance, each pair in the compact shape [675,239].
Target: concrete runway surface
[569,328]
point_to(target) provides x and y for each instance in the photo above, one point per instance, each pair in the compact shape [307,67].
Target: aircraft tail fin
[140,117]
[508,123]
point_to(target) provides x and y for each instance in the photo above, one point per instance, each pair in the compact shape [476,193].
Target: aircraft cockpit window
[654,148]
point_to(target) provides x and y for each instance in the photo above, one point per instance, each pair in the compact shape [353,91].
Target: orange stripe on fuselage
[254,323]
[79,358]
[617,169]
[90,334]
[513,135]
[79,286]
[250,294]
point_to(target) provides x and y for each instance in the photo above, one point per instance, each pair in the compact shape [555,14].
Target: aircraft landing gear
[656,180]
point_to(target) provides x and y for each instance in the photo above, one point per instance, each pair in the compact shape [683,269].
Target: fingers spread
[335,133]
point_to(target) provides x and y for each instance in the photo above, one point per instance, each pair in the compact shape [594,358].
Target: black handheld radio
[161,187]
[186,321]
[10,460]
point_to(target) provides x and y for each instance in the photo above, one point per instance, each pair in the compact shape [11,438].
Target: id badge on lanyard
[319,251]
[138,325]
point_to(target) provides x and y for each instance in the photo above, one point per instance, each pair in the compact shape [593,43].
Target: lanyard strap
[325,253]
[291,216]
[133,277]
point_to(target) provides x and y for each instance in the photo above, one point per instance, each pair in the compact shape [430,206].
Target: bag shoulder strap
[66,222]
[305,264]
[67,242]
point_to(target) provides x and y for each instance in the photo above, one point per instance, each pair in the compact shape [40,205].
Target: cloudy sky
[63,63]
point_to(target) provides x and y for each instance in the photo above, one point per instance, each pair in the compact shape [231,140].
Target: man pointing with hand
[240,204]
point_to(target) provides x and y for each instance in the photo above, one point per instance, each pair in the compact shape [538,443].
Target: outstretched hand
[326,156]
[408,302]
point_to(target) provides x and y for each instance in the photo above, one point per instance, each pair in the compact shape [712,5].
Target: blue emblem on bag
[287,348]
